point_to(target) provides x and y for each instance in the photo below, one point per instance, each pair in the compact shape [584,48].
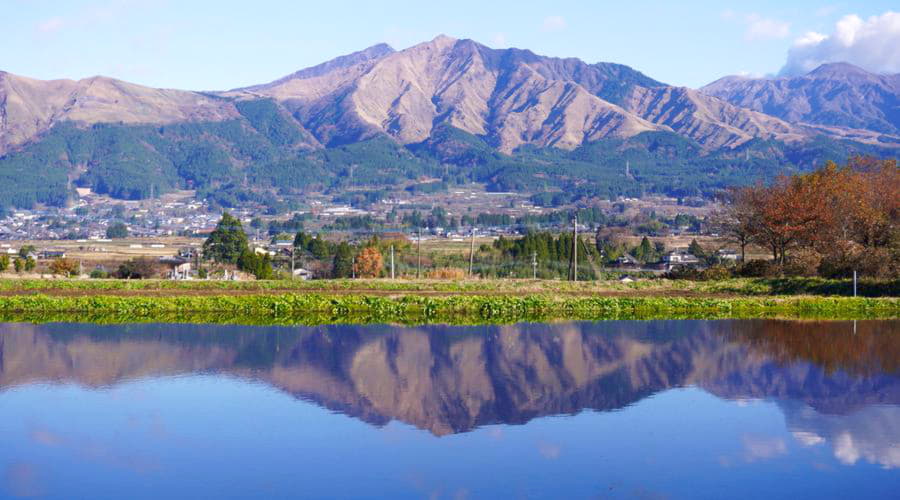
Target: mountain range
[494,115]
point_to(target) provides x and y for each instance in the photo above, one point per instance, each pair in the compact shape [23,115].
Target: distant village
[172,227]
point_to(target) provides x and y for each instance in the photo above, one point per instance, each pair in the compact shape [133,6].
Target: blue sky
[200,44]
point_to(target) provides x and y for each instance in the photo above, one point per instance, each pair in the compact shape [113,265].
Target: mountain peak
[837,70]
[372,53]
[442,39]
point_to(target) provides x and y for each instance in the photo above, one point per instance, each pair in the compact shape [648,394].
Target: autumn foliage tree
[368,263]
[845,216]
[64,267]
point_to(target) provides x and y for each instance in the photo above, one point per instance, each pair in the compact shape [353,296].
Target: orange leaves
[857,203]
[368,263]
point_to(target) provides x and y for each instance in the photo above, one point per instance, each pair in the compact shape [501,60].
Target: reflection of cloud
[762,447]
[22,480]
[871,433]
[849,450]
[45,437]
[93,450]
[808,438]
[549,451]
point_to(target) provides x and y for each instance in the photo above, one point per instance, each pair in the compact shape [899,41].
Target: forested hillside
[265,152]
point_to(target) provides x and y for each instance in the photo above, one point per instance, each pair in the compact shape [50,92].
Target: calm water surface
[658,409]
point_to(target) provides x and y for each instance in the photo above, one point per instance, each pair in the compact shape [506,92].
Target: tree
[646,251]
[30,264]
[64,267]
[18,264]
[342,265]
[844,217]
[4,263]
[138,268]
[368,263]
[256,264]
[227,242]
[696,250]
[25,250]
[738,221]
[117,230]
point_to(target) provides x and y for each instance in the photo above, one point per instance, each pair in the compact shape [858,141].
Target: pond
[615,409]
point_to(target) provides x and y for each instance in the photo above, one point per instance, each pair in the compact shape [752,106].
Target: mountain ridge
[834,94]
[509,119]
[510,96]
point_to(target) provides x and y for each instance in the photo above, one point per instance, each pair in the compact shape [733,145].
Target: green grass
[735,287]
[314,308]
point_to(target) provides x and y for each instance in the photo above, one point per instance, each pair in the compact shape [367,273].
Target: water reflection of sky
[202,430]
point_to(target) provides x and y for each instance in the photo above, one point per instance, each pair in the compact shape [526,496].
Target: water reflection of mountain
[453,379]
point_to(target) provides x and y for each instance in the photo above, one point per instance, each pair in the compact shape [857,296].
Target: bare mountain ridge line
[519,76]
[511,97]
[832,95]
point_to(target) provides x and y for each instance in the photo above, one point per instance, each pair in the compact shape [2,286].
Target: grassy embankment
[474,301]
[740,287]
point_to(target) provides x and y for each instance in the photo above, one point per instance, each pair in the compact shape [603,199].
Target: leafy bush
[256,264]
[758,269]
[117,230]
[138,268]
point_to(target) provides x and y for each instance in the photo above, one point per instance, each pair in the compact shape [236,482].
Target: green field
[738,287]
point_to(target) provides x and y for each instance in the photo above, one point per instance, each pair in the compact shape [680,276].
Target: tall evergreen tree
[342,265]
[227,242]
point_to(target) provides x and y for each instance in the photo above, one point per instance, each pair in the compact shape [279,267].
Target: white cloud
[498,41]
[765,28]
[871,44]
[51,25]
[553,23]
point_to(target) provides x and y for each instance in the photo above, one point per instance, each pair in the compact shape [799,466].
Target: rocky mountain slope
[510,96]
[837,95]
[509,119]
[30,107]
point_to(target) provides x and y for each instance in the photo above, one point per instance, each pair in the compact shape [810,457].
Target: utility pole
[419,253]
[392,261]
[292,261]
[534,265]
[573,271]
[472,253]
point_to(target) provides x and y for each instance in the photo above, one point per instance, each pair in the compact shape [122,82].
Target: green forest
[265,154]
